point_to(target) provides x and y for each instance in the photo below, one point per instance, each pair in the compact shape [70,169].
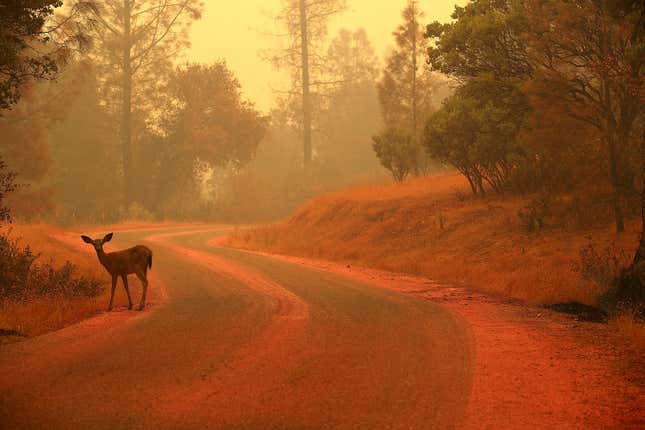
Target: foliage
[603,266]
[7,185]
[209,126]
[593,60]
[407,87]
[484,38]
[22,277]
[533,215]
[209,117]
[397,152]
[33,44]
[476,131]
[21,25]
[138,41]
[574,73]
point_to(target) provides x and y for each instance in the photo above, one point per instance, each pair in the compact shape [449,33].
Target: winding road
[243,341]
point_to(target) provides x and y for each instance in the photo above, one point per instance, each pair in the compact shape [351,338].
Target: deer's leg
[114,278]
[144,281]
[127,290]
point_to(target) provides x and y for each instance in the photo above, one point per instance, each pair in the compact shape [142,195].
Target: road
[243,341]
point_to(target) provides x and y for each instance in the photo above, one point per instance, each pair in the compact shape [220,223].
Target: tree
[350,110]
[632,13]
[33,44]
[594,60]
[398,153]
[305,22]
[406,88]
[7,185]
[209,126]
[484,38]
[138,39]
[476,131]
[84,160]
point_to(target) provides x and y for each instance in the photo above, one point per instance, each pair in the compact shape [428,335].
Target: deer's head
[97,243]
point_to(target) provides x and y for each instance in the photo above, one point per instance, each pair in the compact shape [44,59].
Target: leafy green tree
[477,130]
[486,37]
[397,152]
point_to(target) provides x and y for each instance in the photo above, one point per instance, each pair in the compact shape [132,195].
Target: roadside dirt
[569,372]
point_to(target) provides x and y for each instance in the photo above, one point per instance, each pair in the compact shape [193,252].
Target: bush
[21,277]
[609,268]
[533,216]
[602,267]
[397,153]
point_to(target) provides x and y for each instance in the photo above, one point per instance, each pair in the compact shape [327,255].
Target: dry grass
[482,243]
[43,314]
[632,331]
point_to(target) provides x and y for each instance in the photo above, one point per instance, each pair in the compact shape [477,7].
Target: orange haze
[237,32]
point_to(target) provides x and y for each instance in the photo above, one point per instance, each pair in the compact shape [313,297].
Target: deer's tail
[150,261]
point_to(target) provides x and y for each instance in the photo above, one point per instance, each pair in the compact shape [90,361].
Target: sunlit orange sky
[233,30]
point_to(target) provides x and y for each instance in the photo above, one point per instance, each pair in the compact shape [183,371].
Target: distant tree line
[115,126]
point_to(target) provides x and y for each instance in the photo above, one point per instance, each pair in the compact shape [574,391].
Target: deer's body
[130,261]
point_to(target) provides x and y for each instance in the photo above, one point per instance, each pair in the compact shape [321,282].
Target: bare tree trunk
[126,107]
[306,94]
[468,176]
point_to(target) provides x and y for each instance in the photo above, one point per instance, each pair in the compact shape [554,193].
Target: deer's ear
[86,239]
[108,237]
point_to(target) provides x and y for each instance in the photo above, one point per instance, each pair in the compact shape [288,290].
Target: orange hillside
[433,227]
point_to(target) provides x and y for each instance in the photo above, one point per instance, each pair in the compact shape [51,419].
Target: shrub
[602,267]
[15,265]
[533,216]
[22,277]
[397,153]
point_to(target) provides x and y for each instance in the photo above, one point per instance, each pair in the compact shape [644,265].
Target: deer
[136,260]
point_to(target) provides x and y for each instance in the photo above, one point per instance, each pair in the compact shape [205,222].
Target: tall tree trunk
[126,107]
[615,179]
[306,94]
[609,129]
[640,253]
[414,88]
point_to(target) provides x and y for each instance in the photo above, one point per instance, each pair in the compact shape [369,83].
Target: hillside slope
[432,227]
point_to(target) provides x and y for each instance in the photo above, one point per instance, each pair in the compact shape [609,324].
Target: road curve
[243,341]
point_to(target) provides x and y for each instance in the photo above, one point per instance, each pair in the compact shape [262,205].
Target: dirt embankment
[432,227]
